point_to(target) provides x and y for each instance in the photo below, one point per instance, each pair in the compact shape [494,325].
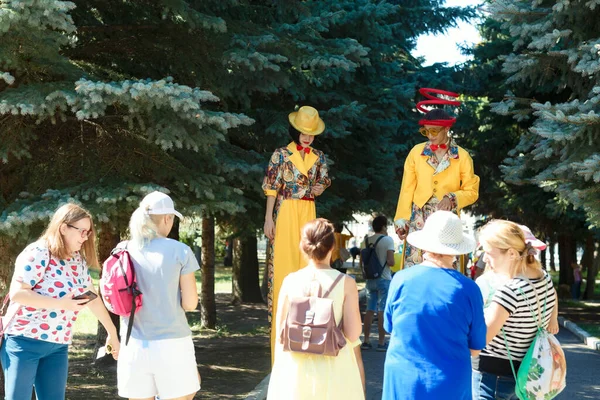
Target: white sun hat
[159,203]
[442,234]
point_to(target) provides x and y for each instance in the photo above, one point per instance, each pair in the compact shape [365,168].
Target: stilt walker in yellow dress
[296,175]
[438,175]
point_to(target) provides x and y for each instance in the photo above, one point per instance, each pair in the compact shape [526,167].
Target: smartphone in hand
[89,296]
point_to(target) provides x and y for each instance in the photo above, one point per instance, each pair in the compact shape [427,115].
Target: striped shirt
[519,298]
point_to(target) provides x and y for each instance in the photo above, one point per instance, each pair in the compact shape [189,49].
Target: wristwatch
[109,348]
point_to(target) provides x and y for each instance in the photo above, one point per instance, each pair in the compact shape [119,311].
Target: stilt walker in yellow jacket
[438,175]
[296,175]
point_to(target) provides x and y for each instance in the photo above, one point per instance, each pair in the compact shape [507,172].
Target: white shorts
[166,368]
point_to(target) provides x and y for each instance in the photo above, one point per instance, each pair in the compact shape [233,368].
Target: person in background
[478,265]
[49,276]
[435,318]
[160,359]
[377,289]
[301,376]
[354,252]
[576,288]
[340,253]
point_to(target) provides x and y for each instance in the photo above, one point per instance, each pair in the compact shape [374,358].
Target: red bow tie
[434,147]
[300,148]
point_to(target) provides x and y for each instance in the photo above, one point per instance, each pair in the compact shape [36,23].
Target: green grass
[592,329]
[87,324]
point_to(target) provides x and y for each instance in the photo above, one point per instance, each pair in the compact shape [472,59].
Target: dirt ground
[232,360]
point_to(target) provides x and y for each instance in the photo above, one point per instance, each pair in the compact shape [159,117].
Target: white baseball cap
[159,203]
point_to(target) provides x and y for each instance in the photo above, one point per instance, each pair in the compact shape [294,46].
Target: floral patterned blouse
[52,277]
[291,177]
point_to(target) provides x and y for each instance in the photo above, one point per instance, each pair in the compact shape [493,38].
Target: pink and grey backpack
[118,286]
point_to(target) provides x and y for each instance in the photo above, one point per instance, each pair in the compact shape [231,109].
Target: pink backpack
[310,325]
[118,286]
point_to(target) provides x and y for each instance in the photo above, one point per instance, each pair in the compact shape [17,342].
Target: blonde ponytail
[142,228]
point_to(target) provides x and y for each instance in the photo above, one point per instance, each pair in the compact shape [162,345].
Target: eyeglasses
[84,232]
[431,131]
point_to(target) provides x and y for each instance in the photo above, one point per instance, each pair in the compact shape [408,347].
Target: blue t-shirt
[434,316]
[158,267]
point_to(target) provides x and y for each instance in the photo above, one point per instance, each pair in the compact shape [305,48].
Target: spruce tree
[555,56]
[88,117]
[493,134]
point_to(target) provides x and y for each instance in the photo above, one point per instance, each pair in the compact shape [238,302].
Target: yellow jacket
[420,181]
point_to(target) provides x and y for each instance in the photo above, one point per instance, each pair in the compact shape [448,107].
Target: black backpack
[371,267]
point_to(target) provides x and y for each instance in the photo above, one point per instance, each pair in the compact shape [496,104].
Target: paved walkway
[583,369]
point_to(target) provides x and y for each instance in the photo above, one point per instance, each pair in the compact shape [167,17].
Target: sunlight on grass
[86,323]
[592,329]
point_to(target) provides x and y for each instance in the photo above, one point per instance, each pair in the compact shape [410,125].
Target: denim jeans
[377,291]
[492,387]
[27,362]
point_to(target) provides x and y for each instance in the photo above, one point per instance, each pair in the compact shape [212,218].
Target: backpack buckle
[309,317]
[306,334]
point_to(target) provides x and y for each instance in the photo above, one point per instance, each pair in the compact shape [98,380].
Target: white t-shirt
[385,244]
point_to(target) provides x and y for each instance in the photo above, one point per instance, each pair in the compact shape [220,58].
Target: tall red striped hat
[435,100]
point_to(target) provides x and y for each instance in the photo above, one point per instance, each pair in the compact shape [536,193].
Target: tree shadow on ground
[232,359]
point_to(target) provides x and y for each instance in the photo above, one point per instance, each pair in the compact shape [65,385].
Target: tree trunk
[208,306]
[244,281]
[108,238]
[552,255]
[543,258]
[592,270]
[567,253]
[264,286]
[587,258]
[9,250]
[6,269]
[174,234]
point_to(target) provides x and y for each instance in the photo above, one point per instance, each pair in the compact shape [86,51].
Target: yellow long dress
[301,376]
[290,178]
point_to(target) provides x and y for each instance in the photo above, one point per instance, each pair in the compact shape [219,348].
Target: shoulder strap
[512,366]
[333,285]
[378,239]
[375,248]
[541,311]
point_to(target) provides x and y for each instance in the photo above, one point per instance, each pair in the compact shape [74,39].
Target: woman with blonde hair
[509,319]
[159,359]
[51,284]
[297,375]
